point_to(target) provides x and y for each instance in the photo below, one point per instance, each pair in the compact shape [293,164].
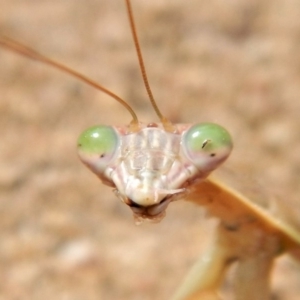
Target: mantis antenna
[32,54]
[28,52]
[166,123]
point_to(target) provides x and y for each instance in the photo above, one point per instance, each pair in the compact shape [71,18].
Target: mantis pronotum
[47,154]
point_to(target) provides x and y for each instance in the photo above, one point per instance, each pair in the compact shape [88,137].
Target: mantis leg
[205,277]
[252,277]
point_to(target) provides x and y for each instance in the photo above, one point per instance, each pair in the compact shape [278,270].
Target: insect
[232,227]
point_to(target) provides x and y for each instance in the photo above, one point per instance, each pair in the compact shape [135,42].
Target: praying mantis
[32,135]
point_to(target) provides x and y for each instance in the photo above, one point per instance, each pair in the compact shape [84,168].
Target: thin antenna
[28,52]
[167,124]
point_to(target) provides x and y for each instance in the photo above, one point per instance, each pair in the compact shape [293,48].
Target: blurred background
[66,236]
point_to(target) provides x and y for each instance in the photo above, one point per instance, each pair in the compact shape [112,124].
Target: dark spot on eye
[205,143]
[213,154]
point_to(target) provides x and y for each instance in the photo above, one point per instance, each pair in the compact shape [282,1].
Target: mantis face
[151,167]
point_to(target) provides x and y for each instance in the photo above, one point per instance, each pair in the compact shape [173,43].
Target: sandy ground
[65,236]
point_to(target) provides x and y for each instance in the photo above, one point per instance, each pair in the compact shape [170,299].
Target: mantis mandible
[166,125]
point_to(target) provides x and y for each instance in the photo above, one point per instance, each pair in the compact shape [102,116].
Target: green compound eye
[97,145]
[100,140]
[207,145]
